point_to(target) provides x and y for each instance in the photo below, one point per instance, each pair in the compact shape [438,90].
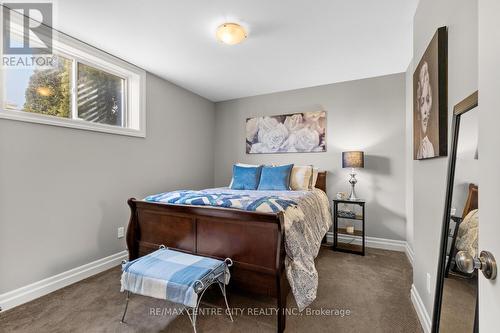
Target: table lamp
[353,160]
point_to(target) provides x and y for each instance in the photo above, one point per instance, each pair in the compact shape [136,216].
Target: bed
[255,241]
[465,233]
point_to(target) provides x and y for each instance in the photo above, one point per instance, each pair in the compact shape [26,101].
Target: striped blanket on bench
[169,275]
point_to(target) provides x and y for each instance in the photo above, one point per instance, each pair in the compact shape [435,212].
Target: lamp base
[352,196]
[353,181]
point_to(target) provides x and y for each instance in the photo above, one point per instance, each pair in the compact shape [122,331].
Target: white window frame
[134,89]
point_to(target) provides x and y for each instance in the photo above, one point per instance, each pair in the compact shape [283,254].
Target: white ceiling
[291,44]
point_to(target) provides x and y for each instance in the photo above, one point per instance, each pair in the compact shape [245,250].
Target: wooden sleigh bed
[471,204]
[254,241]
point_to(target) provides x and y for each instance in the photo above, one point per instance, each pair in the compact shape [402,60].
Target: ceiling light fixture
[231,33]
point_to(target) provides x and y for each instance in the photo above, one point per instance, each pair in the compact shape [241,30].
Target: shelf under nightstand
[356,235]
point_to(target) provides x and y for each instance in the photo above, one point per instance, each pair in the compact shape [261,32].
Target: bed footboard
[254,241]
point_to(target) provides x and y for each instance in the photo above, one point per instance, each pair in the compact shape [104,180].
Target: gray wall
[409,158]
[63,191]
[429,176]
[366,114]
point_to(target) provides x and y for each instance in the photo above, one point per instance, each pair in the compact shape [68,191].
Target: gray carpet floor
[459,305]
[356,294]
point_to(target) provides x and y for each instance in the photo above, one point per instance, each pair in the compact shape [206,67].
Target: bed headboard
[321,181]
[472,200]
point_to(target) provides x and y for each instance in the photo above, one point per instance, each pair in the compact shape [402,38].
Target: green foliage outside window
[49,91]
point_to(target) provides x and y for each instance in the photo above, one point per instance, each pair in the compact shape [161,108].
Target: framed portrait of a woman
[430,100]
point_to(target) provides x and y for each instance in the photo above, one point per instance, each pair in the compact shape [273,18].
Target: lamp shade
[353,159]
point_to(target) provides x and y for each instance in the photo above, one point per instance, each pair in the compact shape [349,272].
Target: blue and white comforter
[306,217]
[255,201]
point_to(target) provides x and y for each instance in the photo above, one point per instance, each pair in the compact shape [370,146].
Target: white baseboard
[418,304]
[43,287]
[379,243]
[373,242]
[410,254]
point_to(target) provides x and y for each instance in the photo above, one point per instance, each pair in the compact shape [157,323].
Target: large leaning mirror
[455,307]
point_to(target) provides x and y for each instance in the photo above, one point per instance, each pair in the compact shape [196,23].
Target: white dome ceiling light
[230,33]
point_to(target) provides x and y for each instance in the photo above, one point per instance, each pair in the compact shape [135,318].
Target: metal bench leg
[223,289]
[195,310]
[126,307]
[192,319]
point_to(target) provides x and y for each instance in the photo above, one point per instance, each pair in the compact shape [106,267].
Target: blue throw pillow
[246,178]
[275,178]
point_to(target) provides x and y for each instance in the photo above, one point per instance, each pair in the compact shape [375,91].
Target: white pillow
[314,178]
[301,177]
[245,166]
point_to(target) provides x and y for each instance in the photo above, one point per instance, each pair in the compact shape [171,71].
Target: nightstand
[356,216]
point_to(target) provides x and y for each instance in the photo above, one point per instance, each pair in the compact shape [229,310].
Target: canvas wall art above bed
[289,133]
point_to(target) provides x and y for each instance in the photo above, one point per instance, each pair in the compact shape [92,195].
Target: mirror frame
[462,107]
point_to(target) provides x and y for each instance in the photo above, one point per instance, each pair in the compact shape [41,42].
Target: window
[43,91]
[100,96]
[82,87]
